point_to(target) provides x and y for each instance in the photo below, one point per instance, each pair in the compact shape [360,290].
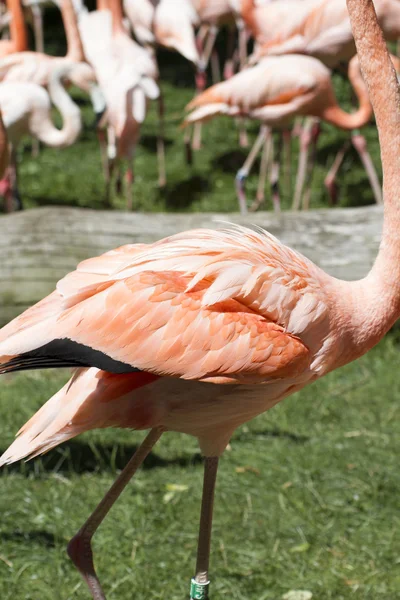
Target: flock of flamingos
[204,330]
[296,43]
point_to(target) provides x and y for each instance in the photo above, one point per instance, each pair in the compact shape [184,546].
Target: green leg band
[199,591]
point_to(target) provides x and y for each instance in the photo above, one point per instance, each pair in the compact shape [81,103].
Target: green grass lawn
[307,498]
[73,176]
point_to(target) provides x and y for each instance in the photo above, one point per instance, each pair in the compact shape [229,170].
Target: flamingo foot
[80,552]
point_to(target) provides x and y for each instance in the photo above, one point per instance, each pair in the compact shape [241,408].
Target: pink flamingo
[36,67]
[127,75]
[319,28]
[26,110]
[202,331]
[276,91]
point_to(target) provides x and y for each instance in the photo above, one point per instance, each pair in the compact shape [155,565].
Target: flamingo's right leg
[315,133]
[188,148]
[265,163]
[360,145]
[330,179]
[243,173]
[129,181]
[305,140]
[287,160]
[201,82]
[200,582]
[162,177]
[110,161]
[79,548]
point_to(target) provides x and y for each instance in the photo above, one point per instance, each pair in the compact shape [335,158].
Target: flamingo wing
[202,305]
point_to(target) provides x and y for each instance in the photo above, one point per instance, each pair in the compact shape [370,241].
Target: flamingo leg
[274,178]
[315,133]
[229,67]
[79,548]
[243,173]
[111,156]
[215,68]
[265,162]
[37,21]
[188,147]
[201,82]
[200,582]
[330,179]
[360,145]
[242,42]
[162,177]
[305,140]
[129,181]
[287,164]
[242,34]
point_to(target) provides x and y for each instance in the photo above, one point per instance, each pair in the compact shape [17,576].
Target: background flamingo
[127,76]
[235,309]
[26,109]
[276,91]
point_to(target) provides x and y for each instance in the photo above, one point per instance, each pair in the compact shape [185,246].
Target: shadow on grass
[40,537]
[232,161]
[149,142]
[184,193]
[271,433]
[78,457]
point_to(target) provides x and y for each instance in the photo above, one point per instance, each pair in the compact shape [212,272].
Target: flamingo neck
[50,135]
[102,5]
[335,115]
[74,43]
[374,302]
[17,26]
[117,16]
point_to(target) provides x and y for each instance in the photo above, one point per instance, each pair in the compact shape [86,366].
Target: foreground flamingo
[274,92]
[202,331]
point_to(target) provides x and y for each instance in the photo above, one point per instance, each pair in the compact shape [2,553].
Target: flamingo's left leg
[205,54]
[79,548]
[200,582]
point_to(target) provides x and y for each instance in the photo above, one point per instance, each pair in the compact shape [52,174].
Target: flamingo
[26,109]
[319,28]
[36,67]
[127,76]
[202,331]
[275,91]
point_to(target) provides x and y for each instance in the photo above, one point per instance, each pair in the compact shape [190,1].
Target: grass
[307,498]
[73,176]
